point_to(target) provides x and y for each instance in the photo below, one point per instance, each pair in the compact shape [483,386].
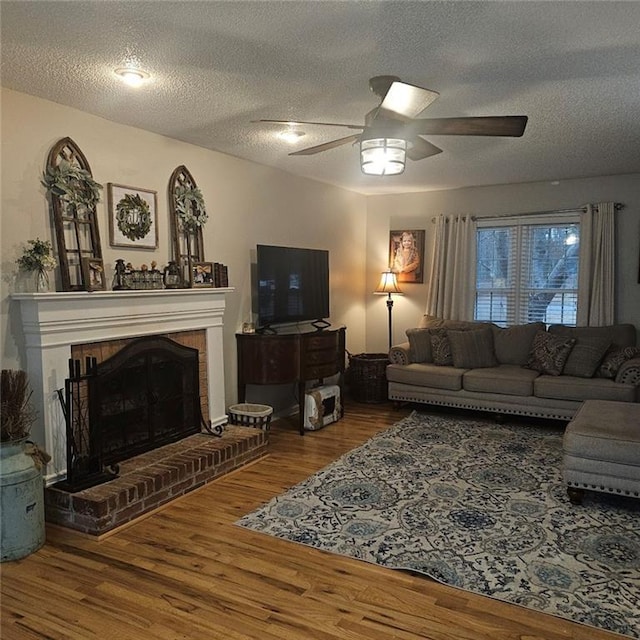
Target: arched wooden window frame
[77,233]
[188,245]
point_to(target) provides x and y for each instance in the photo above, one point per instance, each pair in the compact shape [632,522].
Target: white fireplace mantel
[53,322]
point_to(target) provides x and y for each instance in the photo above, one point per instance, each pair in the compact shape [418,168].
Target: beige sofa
[524,369]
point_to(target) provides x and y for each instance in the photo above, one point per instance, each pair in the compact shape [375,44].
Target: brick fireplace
[59,326]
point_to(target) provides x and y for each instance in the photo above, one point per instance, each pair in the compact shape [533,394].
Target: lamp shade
[388,284]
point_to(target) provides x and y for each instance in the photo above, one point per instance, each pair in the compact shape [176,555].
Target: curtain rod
[616,205]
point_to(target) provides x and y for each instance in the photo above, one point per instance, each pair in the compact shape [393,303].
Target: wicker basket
[367,378]
[247,414]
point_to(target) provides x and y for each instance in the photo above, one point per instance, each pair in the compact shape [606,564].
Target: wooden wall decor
[73,210]
[185,203]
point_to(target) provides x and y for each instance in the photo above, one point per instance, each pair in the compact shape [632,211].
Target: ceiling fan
[391,130]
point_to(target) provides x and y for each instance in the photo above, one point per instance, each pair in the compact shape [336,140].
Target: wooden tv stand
[290,357]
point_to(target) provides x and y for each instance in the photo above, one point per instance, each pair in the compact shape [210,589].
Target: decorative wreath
[133,216]
[190,207]
[72,184]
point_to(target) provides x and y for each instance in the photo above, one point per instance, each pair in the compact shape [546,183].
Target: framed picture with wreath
[133,217]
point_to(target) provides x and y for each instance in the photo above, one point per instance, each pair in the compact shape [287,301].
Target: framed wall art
[406,255]
[93,274]
[202,274]
[133,217]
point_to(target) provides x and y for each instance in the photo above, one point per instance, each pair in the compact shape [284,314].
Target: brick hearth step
[153,479]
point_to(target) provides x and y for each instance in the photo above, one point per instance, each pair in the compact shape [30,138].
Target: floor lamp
[388,284]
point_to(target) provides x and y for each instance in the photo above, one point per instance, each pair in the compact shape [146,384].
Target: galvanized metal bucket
[22,528]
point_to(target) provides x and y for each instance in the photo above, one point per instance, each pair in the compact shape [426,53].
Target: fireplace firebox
[143,397]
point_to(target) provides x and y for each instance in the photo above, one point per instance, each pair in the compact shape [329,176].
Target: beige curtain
[596,281]
[449,294]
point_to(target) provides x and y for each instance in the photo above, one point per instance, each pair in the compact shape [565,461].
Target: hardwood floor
[186,572]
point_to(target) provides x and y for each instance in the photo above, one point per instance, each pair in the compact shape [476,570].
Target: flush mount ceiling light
[291,135]
[132,76]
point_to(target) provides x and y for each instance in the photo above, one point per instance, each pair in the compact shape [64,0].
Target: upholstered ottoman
[602,449]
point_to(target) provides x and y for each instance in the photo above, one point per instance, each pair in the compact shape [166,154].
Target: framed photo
[93,274]
[406,255]
[202,274]
[133,217]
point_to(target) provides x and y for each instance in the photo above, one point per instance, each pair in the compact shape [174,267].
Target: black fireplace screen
[145,396]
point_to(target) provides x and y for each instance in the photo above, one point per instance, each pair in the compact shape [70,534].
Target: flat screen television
[293,285]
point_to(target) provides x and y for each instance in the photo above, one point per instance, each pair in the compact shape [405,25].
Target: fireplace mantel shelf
[53,322]
[132,293]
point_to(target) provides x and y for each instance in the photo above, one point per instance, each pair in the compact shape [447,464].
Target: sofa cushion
[509,379]
[622,335]
[572,388]
[419,345]
[426,375]
[441,348]
[549,353]
[472,349]
[614,358]
[513,344]
[586,355]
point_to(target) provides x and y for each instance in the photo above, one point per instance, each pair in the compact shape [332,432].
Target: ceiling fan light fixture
[383,156]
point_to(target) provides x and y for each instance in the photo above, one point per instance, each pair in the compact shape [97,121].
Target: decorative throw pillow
[472,349]
[586,355]
[441,347]
[614,359]
[549,353]
[513,344]
[419,345]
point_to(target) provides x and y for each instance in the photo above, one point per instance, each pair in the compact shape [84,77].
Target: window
[527,272]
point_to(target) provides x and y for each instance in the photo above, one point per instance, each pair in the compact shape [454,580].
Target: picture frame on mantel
[406,255]
[93,274]
[202,274]
[133,217]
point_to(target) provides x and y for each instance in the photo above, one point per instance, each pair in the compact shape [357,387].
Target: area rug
[476,505]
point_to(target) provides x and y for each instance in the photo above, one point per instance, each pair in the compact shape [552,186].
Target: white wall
[247,204]
[415,211]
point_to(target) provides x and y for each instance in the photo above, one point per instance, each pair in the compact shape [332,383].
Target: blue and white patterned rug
[475,505]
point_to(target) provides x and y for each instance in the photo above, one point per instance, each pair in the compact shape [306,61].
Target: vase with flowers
[38,259]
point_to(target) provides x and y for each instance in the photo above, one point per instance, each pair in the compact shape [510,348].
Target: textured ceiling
[572,67]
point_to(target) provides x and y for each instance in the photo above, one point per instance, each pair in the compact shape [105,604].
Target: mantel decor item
[172,278]
[188,216]
[406,255]
[73,196]
[202,274]
[38,259]
[93,274]
[133,218]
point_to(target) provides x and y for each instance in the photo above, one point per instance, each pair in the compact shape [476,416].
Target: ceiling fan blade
[406,99]
[323,124]
[420,148]
[483,126]
[326,146]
